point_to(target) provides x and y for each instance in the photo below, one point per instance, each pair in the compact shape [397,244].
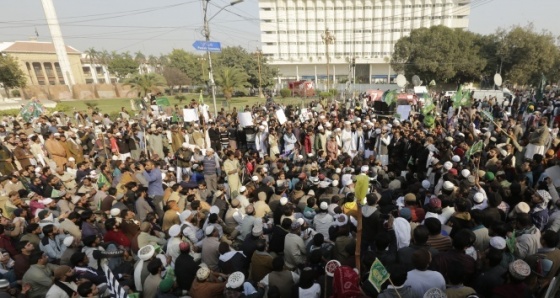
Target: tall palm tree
[153,63]
[144,83]
[230,78]
[140,58]
[92,55]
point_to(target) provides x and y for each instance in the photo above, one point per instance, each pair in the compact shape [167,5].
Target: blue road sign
[211,46]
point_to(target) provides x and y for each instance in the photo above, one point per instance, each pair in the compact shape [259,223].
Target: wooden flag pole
[396,291]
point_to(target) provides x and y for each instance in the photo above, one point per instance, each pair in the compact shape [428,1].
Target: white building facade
[365,32]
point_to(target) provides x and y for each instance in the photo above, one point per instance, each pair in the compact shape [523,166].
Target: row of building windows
[356,7]
[352,20]
[337,55]
[302,43]
[318,32]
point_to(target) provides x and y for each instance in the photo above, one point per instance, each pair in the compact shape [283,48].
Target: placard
[155,110]
[281,116]
[245,119]
[190,115]
[554,174]
[403,111]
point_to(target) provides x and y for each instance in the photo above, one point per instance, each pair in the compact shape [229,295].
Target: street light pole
[327,39]
[207,37]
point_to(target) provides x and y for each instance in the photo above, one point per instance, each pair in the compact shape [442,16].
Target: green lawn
[110,106]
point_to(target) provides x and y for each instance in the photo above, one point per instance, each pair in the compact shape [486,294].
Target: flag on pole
[474,149]
[201,98]
[461,98]
[487,115]
[113,284]
[378,275]
[389,97]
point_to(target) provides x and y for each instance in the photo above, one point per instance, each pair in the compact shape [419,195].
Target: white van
[481,94]
[450,93]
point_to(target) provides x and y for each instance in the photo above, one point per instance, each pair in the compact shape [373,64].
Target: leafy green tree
[439,53]
[238,57]
[187,63]
[123,66]
[229,79]
[175,77]
[11,76]
[526,55]
[144,83]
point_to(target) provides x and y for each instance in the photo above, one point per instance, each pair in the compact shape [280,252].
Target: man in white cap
[261,141]
[346,137]
[381,146]
[173,242]
[210,248]
[145,254]
[232,169]
[362,184]
[56,150]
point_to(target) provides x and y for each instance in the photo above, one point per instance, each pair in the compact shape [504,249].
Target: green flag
[428,105]
[487,115]
[474,149]
[389,97]
[162,101]
[461,98]
[201,98]
[378,275]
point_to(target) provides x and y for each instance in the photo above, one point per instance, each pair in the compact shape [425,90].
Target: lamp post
[206,32]
[327,39]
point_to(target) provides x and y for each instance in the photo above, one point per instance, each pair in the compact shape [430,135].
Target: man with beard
[261,141]
[39,275]
[232,168]
[6,161]
[56,150]
[397,150]
[123,144]
[66,179]
[73,147]
[23,155]
[214,135]
[183,155]
[64,283]
[155,142]
[177,138]
[152,173]
[37,186]
[320,140]
[129,226]
[54,187]
[89,226]
[346,137]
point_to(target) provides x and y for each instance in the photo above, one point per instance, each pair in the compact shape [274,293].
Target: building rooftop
[32,47]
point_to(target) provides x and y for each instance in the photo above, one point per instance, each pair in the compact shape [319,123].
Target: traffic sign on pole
[210,46]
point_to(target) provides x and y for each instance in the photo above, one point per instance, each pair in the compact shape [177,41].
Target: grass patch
[109,106]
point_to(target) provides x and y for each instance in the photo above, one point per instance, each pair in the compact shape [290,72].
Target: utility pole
[206,32]
[327,39]
[259,53]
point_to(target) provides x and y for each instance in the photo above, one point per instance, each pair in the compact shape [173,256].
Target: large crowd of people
[152,206]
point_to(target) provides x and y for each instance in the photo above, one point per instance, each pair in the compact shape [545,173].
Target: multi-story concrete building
[39,62]
[364,31]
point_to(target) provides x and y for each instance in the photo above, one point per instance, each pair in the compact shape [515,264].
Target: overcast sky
[155,27]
